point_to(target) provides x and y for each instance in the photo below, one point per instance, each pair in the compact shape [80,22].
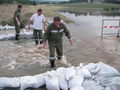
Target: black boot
[17,37]
[36,42]
[52,64]
[41,42]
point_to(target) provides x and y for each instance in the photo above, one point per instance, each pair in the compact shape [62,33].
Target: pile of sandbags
[7,27]
[23,34]
[93,76]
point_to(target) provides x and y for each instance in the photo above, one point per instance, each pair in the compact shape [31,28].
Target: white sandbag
[76,81]
[69,73]
[77,88]
[115,86]
[28,81]
[92,85]
[62,81]
[85,73]
[9,82]
[41,79]
[52,80]
[60,70]
[92,67]
[113,82]
[106,70]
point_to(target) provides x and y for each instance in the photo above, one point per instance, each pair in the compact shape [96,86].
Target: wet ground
[19,58]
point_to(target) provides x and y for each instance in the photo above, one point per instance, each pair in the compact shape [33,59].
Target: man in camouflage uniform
[17,15]
[54,34]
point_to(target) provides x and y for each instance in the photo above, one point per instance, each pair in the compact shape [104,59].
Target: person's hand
[44,27]
[70,41]
[44,45]
[28,27]
[18,23]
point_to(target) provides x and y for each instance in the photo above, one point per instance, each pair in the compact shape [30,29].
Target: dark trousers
[17,29]
[37,34]
[55,47]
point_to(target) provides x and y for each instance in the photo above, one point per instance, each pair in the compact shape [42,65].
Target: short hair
[39,10]
[57,19]
[19,6]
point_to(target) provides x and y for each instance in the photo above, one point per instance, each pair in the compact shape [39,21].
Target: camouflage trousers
[55,48]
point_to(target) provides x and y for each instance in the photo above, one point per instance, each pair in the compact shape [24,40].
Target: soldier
[17,15]
[54,34]
[37,20]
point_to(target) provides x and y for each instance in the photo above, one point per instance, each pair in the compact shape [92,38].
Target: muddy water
[88,46]
[19,58]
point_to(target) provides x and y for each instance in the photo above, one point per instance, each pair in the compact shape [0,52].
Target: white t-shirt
[37,21]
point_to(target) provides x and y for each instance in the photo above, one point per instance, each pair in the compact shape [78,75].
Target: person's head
[39,11]
[57,21]
[19,7]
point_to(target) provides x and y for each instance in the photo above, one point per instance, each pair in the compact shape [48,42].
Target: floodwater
[88,46]
[19,58]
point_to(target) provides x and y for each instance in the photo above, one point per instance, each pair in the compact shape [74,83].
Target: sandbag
[60,70]
[9,82]
[92,67]
[69,73]
[28,81]
[77,88]
[52,80]
[76,81]
[41,79]
[92,85]
[84,72]
[62,81]
[112,83]
[106,71]
[115,86]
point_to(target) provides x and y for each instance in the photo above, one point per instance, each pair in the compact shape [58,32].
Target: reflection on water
[95,13]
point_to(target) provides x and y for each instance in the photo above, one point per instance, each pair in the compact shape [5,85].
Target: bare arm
[29,23]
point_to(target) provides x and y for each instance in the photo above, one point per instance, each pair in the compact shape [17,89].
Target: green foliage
[112,1]
[19,1]
[106,9]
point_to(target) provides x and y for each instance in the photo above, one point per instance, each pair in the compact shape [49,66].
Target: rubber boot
[41,42]
[17,37]
[52,64]
[36,42]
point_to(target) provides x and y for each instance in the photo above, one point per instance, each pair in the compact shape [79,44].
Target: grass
[51,10]
[87,7]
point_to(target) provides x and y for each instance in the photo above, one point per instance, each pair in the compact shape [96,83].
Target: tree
[111,1]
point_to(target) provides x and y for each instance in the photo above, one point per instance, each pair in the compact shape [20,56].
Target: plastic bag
[77,88]
[85,73]
[76,81]
[106,70]
[92,85]
[52,80]
[28,81]
[9,82]
[69,73]
[41,79]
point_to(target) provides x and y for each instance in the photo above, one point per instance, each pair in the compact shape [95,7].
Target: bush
[117,9]
[112,8]
[106,9]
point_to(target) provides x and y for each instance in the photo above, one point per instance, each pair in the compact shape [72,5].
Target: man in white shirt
[37,20]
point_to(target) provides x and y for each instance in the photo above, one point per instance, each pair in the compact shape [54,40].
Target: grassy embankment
[51,10]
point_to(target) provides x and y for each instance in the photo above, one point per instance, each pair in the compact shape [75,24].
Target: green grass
[85,7]
[51,10]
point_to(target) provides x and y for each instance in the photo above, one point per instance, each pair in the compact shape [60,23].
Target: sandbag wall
[93,76]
